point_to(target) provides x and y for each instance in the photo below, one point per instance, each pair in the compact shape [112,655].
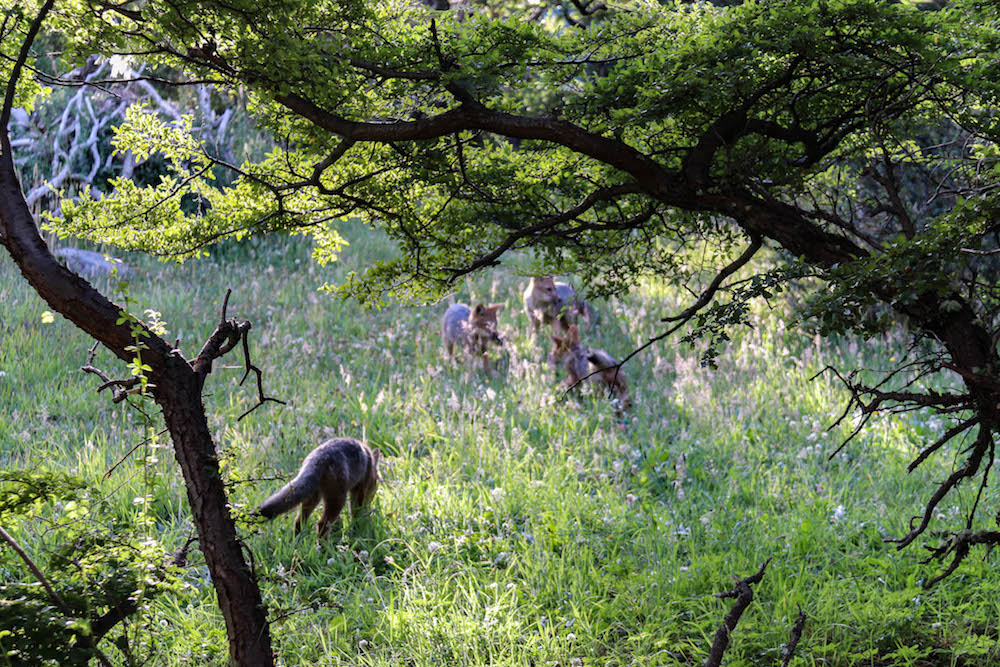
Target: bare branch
[120,389]
[793,640]
[53,595]
[130,452]
[744,596]
[261,398]
[940,442]
[960,545]
[983,440]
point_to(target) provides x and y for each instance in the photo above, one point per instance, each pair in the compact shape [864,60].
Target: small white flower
[498,494]
[838,514]
[434,547]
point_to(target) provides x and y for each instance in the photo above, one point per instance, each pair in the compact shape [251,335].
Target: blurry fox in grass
[548,302]
[595,365]
[472,329]
[330,472]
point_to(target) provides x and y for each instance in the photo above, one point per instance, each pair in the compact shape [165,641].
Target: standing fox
[331,471]
[549,302]
[473,329]
[582,362]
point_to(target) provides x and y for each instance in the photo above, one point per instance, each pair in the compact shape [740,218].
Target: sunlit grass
[514,525]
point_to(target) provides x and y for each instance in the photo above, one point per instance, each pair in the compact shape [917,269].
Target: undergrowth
[515,525]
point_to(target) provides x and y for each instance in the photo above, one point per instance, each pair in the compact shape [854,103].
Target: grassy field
[514,526]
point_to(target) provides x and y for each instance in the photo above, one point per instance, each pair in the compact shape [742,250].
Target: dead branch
[226,336]
[984,440]
[868,400]
[940,442]
[958,544]
[744,596]
[120,389]
[793,639]
[261,398]
[53,595]
[131,451]
[87,641]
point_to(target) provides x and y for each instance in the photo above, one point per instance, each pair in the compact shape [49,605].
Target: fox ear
[376,457]
[479,309]
[496,306]
[556,340]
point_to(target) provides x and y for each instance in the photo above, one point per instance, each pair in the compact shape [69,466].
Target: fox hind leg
[305,509]
[333,503]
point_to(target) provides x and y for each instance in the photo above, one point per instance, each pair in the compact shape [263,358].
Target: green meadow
[515,525]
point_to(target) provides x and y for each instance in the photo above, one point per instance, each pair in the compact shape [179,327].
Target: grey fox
[331,471]
[473,329]
[596,365]
[549,302]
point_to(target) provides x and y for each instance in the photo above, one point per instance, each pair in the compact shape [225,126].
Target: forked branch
[744,596]
[120,389]
[226,336]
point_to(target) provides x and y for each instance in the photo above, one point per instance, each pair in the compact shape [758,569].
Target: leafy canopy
[794,92]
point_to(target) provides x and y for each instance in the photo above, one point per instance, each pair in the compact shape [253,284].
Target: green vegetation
[514,526]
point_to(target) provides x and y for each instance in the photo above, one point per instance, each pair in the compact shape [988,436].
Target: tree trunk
[178,392]
[235,584]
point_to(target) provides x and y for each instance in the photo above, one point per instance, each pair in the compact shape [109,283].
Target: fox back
[590,364]
[612,375]
[473,329]
[334,470]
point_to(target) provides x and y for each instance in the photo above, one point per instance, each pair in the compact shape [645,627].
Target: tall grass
[515,525]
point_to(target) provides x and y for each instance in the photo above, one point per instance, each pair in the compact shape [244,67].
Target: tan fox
[333,470]
[548,302]
[595,365]
[473,329]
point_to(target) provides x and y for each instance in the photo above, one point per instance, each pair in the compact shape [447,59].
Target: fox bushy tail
[291,495]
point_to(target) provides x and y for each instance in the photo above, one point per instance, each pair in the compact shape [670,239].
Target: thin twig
[37,572]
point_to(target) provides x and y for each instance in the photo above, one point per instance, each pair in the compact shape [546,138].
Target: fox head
[564,346]
[483,324]
[544,289]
